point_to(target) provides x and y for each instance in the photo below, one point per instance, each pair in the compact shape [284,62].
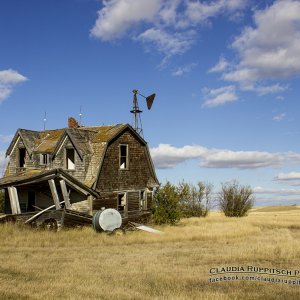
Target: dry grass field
[81,264]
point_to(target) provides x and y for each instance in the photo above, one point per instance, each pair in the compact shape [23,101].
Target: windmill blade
[150,100]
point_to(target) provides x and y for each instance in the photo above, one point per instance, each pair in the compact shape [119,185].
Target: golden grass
[81,264]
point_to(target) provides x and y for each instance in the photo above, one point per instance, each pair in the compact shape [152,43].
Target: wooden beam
[76,187]
[14,200]
[65,193]
[41,212]
[54,193]
[90,202]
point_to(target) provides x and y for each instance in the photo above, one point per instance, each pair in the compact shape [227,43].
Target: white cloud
[183,70]
[199,12]
[118,16]
[277,192]
[221,66]
[165,22]
[167,156]
[279,117]
[220,96]
[167,43]
[271,48]
[288,176]
[8,79]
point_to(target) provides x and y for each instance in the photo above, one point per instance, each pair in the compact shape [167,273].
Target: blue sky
[226,75]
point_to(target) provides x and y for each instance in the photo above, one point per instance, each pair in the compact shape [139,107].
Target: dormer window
[123,160]
[44,159]
[22,155]
[70,159]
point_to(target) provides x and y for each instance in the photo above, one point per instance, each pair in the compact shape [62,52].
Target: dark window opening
[31,201]
[121,202]
[22,155]
[44,159]
[123,156]
[70,159]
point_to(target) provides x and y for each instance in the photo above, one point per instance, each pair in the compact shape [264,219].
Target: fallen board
[146,228]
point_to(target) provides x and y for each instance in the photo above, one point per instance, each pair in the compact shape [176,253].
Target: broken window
[22,155]
[44,159]
[121,202]
[123,156]
[70,159]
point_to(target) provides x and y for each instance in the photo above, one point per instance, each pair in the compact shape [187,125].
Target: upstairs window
[123,161]
[22,155]
[44,159]
[70,159]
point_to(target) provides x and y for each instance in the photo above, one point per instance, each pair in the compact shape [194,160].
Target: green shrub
[166,208]
[195,200]
[235,200]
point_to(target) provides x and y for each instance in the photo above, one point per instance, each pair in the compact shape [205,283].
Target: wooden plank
[17,203]
[41,212]
[14,201]
[54,193]
[90,201]
[65,193]
[76,188]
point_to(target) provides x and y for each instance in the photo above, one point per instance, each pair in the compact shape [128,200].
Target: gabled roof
[89,141]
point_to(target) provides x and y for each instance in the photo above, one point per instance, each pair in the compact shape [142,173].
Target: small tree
[235,200]
[195,200]
[166,208]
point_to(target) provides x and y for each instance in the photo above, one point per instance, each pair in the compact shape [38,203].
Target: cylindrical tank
[107,220]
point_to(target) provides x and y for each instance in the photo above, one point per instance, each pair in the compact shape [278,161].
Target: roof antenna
[136,111]
[80,116]
[45,120]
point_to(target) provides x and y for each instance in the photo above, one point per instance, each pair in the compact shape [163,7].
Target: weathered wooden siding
[107,200]
[81,165]
[112,178]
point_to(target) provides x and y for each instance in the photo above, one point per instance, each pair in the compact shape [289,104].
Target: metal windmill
[137,122]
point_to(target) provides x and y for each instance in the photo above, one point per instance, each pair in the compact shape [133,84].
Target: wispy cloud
[162,23]
[167,156]
[266,52]
[279,117]
[269,49]
[221,66]
[220,96]
[8,79]
[292,176]
[167,43]
[277,192]
[118,16]
[184,69]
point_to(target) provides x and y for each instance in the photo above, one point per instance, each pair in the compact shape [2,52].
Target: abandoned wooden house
[80,168]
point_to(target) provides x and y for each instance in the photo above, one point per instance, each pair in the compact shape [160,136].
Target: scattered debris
[145,228]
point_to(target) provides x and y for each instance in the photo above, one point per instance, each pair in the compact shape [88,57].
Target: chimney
[72,123]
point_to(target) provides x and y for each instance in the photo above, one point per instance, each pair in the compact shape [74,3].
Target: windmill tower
[136,112]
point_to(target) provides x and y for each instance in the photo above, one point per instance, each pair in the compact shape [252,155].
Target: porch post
[65,193]
[14,200]
[54,193]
